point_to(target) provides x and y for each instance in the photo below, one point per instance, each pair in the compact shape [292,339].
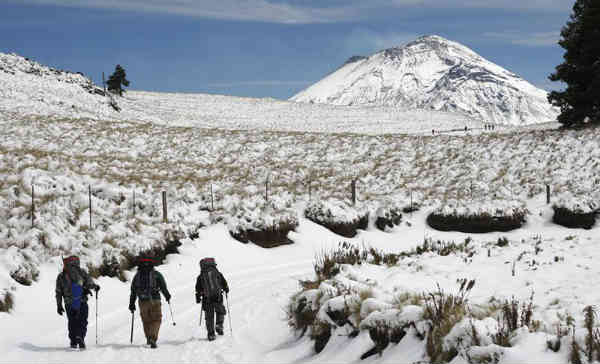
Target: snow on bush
[576,211]
[389,213]
[263,223]
[495,215]
[337,216]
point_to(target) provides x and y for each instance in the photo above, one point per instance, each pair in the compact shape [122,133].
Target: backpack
[77,294]
[146,285]
[211,281]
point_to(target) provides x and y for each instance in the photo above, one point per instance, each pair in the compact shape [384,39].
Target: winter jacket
[148,278]
[200,289]
[63,285]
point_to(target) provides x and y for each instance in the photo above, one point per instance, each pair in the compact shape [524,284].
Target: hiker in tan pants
[147,285]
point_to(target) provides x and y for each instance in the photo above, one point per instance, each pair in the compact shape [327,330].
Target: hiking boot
[73,345]
[81,345]
[219,330]
[148,342]
[153,344]
[211,337]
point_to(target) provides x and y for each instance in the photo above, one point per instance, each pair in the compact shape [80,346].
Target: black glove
[132,307]
[60,310]
[198,298]
[96,288]
[168,297]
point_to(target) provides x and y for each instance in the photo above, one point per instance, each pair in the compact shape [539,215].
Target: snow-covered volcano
[436,74]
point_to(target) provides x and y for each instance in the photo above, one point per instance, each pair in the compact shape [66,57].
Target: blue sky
[269,48]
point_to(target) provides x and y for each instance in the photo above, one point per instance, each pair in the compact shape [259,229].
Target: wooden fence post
[134,202]
[547,194]
[353,189]
[90,198]
[32,205]
[212,200]
[309,190]
[164,201]
[267,189]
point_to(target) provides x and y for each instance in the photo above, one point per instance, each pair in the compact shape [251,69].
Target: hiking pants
[210,310]
[78,321]
[151,317]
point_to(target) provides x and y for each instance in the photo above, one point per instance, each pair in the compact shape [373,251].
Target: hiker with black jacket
[73,285]
[210,285]
[147,285]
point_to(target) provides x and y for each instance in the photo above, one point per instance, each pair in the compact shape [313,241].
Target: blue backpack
[77,294]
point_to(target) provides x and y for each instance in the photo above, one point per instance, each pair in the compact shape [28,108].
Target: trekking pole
[170,309]
[200,323]
[131,339]
[228,313]
[96,317]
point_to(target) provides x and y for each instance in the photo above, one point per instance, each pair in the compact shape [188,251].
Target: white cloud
[288,11]
[536,39]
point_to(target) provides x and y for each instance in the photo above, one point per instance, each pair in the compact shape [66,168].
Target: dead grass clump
[442,248]
[389,218]
[514,316]
[574,220]
[320,333]
[300,315]
[443,311]
[7,303]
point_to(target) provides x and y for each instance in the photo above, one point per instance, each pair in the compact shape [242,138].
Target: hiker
[210,285]
[147,285]
[73,285]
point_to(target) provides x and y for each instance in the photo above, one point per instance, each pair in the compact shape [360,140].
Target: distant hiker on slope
[73,285]
[210,285]
[147,285]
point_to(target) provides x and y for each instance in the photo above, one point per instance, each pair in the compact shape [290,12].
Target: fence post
[547,194]
[309,189]
[32,204]
[134,202]
[353,189]
[164,201]
[212,200]
[267,189]
[90,199]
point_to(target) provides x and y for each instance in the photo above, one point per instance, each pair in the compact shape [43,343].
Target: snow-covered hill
[434,73]
[29,88]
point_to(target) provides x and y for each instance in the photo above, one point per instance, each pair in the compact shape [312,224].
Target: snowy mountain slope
[433,73]
[33,89]
[28,87]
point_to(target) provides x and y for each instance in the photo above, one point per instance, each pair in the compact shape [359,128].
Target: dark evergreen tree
[581,67]
[116,80]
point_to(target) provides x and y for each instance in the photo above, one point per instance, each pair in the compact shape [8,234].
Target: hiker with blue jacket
[210,286]
[147,285]
[73,285]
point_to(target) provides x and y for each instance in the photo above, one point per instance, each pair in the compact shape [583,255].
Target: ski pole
[228,313]
[170,309]
[200,323]
[96,317]
[131,339]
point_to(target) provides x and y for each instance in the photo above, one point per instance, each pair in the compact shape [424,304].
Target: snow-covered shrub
[497,215]
[264,224]
[6,301]
[337,216]
[388,214]
[576,211]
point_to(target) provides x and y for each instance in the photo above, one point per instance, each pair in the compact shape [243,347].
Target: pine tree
[580,101]
[116,80]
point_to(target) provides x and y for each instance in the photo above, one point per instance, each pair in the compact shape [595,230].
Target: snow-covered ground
[61,141]
[262,282]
